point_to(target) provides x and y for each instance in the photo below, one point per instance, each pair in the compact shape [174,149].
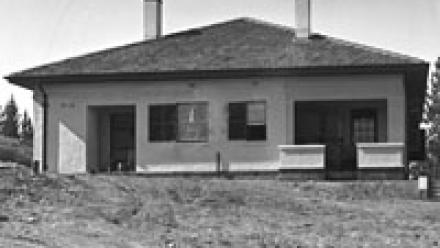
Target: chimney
[152,19]
[302,18]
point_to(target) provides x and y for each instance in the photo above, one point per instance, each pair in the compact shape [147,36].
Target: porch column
[38,139]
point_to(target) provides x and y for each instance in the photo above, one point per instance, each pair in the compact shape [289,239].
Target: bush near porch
[130,211]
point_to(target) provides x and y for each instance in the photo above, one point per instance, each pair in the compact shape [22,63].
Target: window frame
[177,138]
[246,138]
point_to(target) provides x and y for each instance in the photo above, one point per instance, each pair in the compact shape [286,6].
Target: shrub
[11,150]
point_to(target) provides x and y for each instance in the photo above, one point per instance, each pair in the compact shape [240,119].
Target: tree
[1,120]
[10,119]
[433,114]
[27,130]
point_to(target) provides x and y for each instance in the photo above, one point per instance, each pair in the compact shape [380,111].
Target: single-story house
[242,95]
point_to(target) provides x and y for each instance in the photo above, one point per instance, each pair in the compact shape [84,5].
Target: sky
[34,32]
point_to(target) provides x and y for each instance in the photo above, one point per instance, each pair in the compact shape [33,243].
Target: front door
[340,151]
[331,126]
[122,138]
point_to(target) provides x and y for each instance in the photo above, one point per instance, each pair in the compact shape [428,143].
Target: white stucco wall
[67,149]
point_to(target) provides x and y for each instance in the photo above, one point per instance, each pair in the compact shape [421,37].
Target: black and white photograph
[207,123]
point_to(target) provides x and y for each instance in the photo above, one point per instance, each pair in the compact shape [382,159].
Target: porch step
[341,175]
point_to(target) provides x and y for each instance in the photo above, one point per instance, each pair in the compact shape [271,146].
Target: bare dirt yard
[130,211]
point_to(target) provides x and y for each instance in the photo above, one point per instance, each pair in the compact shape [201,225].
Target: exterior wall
[68,124]
[68,104]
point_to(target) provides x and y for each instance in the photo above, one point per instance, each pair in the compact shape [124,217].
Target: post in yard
[218,163]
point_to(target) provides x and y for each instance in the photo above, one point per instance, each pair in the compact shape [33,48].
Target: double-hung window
[183,122]
[247,121]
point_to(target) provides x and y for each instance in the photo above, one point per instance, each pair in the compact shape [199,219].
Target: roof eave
[29,81]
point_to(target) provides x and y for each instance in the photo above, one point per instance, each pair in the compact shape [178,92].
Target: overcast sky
[33,32]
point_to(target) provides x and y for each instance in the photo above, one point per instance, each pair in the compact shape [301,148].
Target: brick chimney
[302,18]
[152,19]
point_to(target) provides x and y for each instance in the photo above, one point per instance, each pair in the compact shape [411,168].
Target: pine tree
[10,119]
[26,127]
[1,120]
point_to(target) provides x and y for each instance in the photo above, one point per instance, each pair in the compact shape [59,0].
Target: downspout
[45,118]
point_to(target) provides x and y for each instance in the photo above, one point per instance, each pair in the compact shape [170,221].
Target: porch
[373,161]
[111,142]
[343,139]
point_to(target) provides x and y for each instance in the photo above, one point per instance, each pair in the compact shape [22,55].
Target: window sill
[249,142]
[178,142]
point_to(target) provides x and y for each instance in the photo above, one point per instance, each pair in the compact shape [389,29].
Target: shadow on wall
[71,150]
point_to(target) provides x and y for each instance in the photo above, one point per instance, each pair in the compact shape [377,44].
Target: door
[332,135]
[122,138]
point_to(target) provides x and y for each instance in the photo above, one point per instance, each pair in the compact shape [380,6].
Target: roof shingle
[237,44]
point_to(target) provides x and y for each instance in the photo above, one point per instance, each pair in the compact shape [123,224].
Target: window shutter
[163,122]
[237,121]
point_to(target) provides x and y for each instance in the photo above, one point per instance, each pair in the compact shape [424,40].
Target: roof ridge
[268,24]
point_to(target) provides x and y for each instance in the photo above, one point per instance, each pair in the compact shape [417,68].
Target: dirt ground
[130,211]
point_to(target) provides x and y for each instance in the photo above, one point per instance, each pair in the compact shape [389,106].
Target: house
[258,97]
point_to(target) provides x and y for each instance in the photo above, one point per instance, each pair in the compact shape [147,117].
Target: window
[193,122]
[364,128]
[247,121]
[185,122]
